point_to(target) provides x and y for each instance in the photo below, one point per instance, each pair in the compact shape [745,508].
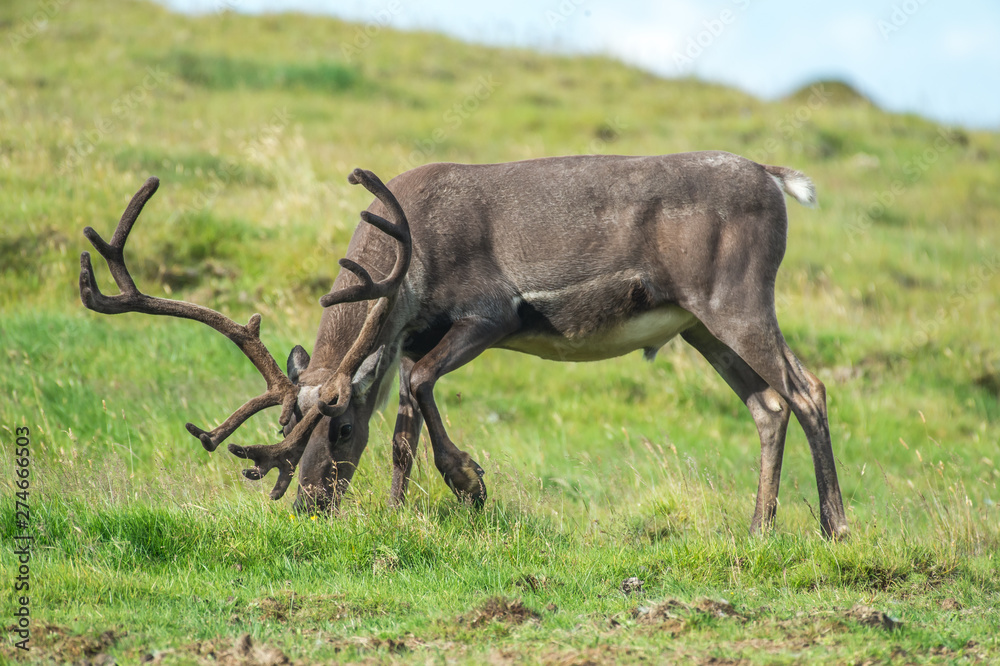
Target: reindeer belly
[648,329]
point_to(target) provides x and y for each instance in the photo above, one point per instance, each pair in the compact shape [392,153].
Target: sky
[939,59]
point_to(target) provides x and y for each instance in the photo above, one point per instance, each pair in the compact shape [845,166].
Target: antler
[280,390]
[335,393]
[387,288]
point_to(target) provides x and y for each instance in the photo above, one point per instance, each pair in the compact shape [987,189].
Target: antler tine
[374,184]
[113,252]
[283,456]
[400,230]
[280,390]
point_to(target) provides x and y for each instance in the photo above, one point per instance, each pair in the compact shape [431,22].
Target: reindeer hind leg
[769,411]
[754,336]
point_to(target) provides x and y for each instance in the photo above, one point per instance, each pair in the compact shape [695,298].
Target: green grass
[148,545]
[224,73]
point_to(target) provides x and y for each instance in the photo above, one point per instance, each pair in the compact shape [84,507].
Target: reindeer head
[340,397]
[335,446]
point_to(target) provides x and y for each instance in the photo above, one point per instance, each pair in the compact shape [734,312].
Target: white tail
[794,183]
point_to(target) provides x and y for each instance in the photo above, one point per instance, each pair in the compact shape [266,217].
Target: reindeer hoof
[836,532]
[466,481]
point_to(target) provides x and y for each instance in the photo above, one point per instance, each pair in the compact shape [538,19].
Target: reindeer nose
[309,503]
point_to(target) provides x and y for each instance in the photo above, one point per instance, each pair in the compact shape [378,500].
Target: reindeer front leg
[464,341]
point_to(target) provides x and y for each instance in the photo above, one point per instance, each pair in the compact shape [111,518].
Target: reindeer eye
[346,430]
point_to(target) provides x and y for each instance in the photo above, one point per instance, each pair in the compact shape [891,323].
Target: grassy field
[147,548]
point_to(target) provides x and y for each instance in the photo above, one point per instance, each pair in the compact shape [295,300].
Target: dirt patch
[278,609]
[673,610]
[951,605]
[370,644]
[53,643]
[595,656]
[871,617]
[719,608]
[967,651]
[509,611]
[674,616]
[223,652]
[674,626]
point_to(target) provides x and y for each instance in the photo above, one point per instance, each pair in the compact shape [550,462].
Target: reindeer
[576,258]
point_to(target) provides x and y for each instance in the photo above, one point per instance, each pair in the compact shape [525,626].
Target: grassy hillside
[597,472]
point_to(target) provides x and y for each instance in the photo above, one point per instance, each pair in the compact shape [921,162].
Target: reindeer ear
[298,360]
[366,374]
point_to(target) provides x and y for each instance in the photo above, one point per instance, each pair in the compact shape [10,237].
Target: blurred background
[939,60]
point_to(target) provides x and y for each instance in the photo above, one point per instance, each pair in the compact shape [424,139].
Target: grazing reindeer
[569,258]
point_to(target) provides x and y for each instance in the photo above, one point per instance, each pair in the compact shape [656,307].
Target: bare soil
[499,609]
[222,651]
[60,645]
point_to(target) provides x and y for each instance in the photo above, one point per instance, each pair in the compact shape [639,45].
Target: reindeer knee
[816,387]
[774,402]
[423,377]
[768,405]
